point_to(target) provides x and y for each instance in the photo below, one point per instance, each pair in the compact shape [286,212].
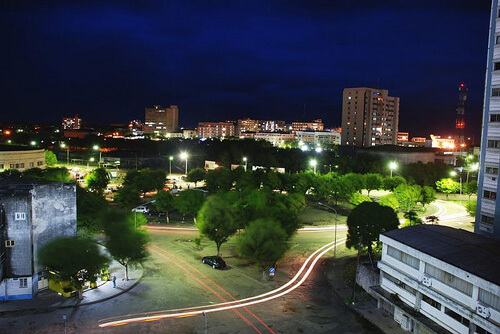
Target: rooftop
[471,252]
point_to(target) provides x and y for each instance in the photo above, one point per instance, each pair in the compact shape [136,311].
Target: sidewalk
[366,307]
[49,300]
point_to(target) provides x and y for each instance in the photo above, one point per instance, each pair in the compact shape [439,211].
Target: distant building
[189,133]
[21,159]
[436,277]
[34,213]
[275,138]
[318,137]
[135,127]
[403,137]
[488,203]
[409,155]
[216,129]
[370,117]
[72,123]
[160,120]
[442,143]
[247,125]
[316,125]
[272,126]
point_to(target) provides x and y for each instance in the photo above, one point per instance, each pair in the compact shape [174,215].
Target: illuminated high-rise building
[160,120]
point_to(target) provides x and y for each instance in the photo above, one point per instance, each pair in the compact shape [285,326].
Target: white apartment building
[369,117]
[488,205]
[216,129]
[318,137]
[276,138]
[436,277]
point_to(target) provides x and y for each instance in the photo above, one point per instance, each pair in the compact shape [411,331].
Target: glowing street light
[97,148]
[33,143]
[245,160]
[453,173]
[393,166]
[64,146]
[170,158]
[184,156]
[313,163]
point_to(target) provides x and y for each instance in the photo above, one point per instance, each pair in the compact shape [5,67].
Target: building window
[32,164]
[496,66]
[495,118]
[493,143]
[431,302]
[487,220]
[492,170]
[481,330]
[23,282]
[456,316]
[39,163]
[1,166]
[449,279]
[497,39]
[399,283]
[489,194]
[489,299]
[9,243]
[495,92]
[403,257]
[20,216]
[12,166]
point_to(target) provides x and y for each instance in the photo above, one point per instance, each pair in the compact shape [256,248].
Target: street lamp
[33,143]
[453,173]
[91,160]
[245,160]
[313,163]
[97,148]
[63,145]
[170,158]
[393,166]
[335,237]
[184,156]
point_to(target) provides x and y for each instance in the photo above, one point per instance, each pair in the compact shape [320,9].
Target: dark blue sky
[217,60]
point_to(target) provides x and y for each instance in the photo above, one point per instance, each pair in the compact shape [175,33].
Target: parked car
[141,209]
[215,261]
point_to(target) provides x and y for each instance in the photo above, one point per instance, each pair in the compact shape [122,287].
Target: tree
[411,219]
[57,174]
[470,188]
[218,180]
[145,179]
[216,220]
[263,241]
[125,243]
[390,201]
[50,158]
[89,207]
[74,258]
[165,202]
[355,181]
[367,221]
[358,198]
[390,183]
[471,208]
[97,180]
[128,197]
[428,195]
[272,181]
[373,181]
[189,202]
[447,186]
[195,175]
[408,196]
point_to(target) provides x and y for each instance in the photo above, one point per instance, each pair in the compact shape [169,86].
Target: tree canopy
[97,180]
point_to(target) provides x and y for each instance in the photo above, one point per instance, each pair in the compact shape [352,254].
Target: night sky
[217,60]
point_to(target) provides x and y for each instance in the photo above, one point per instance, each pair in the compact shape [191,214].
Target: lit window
[489,194]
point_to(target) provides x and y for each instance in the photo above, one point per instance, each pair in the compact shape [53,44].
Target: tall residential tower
[488,203]
[369,117]
[161,120]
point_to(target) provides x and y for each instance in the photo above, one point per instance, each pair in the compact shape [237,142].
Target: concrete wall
[368,277]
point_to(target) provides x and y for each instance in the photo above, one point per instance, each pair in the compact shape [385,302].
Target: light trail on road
[273,294]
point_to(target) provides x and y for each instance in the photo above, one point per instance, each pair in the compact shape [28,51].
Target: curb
[54,308]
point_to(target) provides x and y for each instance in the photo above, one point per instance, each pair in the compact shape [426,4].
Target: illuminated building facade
[72,123]
[316,125]
[216,129]
[160,120]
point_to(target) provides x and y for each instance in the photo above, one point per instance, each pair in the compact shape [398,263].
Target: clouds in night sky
[229,59]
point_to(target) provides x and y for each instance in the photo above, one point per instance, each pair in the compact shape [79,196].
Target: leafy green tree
[390,201]
[341,188]
[74,258]
[97,180]
[447,186]
[355,181]
[145,180]
[471,208]
[195,175]
[390,183]
[408,196]
[373,181]
[367,221]
[216,220]
[272,181]
[412,219]
[358,198]
[57,174]
[165,202]
[125,243]
[50,158]
[428,195]
[128,197]
[263,241]
[470,188]
[189,202]
[89,207]
[218,180]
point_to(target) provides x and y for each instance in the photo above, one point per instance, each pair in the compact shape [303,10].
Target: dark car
[154,213]
[215,261]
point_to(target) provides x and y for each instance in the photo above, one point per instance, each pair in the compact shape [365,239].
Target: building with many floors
[72,123]
[316,125]
[488,203]
[370,117]
[160,120]
[436,277]
[216,129]
[318,137]
[276,138]
[21,159]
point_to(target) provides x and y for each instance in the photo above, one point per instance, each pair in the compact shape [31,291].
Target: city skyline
[276,60]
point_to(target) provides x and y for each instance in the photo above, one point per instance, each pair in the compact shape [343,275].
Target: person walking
[114,281]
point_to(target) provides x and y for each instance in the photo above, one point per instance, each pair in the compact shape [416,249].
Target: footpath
[364,305]
[48,300]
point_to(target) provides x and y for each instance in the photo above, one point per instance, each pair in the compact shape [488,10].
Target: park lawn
[312,216]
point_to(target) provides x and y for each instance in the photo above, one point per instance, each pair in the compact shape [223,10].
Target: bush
[358,198]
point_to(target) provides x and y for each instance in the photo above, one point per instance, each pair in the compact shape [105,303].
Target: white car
[141,209]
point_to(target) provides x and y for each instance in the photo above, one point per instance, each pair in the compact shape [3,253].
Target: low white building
[276,138]
[319,137]
[437,279]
